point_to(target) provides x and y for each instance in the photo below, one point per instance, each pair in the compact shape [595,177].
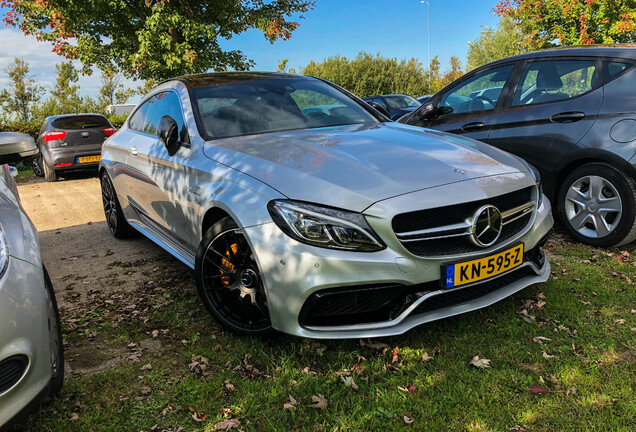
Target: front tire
[36,165]
[55,339]
[229,281]
[50,175]
[115,219]
[596,204]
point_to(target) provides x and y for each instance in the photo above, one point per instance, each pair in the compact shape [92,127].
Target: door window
[479,93]
[550,81]
[614,68]
[147,117]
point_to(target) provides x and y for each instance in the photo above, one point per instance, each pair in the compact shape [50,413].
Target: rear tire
[36,165]
[229,281]
[597,205]
[50,175]
[55,339]
[115,220]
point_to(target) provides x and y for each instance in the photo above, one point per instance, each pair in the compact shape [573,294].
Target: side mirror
[15,146]
[427,111]
[380,108]
[168,133]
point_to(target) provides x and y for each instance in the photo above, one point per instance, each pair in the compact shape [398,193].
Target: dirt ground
[87,265]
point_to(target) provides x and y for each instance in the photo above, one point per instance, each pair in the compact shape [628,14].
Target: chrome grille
[447,230]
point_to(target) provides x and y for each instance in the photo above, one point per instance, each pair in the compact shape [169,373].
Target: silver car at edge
[31,354]
[336,224]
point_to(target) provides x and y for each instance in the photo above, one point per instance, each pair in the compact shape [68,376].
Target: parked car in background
[31,354]
[70,142]
[396,105]
[424,98]
[340,225]
[569,112]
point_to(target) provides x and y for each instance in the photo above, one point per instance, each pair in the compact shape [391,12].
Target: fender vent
[11,371]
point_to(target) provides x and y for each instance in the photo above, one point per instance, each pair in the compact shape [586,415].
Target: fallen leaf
[291,404]
[480,362]
[405,390]
[571,390]
[227,424]
[541,380]
[408,420]
[349,382]
[546,355]
[412,388]
[537,389]
[426,357]
[395,355]
[320,401]
[198,417]
[74,416]
[146,367]
[540,339]
[229,385]
[586,303]
[155,334]
[634,311]
[374,345]
[620,321]
[623,257]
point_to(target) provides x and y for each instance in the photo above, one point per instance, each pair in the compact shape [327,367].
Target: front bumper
[63,155]
[24,335]
[293,272]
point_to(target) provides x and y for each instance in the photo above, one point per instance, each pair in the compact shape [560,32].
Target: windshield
[80,122]
[402,101]
[269,105]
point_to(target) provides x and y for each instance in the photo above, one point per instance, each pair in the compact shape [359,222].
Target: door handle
[132,150]
[567,117]
[475,126]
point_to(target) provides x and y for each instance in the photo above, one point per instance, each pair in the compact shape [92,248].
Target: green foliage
[112,90]
[505,40]
[550,23]
[31,127]
[118,120]
[368,75]
[152,38]
[23,92]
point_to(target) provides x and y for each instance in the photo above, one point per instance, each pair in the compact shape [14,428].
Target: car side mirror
[168,133]
[15,146]
[380,108]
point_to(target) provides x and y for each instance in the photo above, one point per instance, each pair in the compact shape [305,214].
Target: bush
[30,128]
[118,120]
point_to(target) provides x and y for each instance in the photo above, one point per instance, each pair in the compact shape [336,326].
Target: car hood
[354,166]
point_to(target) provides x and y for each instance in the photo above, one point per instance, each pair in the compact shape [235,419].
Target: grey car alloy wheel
[593,206]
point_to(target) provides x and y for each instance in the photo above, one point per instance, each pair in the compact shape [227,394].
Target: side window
[136,122]
[159,105]
[479,93]
[549,81]
[612,69]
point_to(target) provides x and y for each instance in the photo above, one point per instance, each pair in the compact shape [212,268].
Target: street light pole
[430,75]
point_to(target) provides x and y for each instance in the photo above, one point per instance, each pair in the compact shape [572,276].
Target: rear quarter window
[614,69]
[80,122]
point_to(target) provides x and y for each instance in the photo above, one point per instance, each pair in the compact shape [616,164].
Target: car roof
[59,116]
[622,51]
[197,80]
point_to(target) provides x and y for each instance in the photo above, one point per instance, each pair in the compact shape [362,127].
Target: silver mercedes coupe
[302,209]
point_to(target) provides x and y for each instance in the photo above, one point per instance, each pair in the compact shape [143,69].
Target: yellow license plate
[472,271]
[85,159]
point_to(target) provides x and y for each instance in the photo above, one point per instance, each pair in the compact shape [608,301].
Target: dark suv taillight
[54,135]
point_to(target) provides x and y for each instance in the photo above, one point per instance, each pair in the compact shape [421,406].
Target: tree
[23,91]
[282,66]
[112,90]
[454,72]
[495,43]
[65,97]
[548,23]
[152,38]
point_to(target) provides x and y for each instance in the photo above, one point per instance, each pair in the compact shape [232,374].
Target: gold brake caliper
[227,265]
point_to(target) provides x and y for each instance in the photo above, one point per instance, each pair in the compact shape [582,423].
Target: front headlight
[324,227]
[4,252]
[537,180]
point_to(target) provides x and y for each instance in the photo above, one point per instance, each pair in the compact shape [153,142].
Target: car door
[467,107]
[161,183]
[553,104]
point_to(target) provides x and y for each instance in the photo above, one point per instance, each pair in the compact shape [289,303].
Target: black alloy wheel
[115,219]
[229,281]
[36,165]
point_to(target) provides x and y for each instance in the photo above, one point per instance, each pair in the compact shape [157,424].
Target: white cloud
[41,59]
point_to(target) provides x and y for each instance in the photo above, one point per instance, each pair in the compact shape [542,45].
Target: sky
[396,28]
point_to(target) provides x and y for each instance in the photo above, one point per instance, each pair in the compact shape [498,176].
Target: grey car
[70,142]
[31,355]
[339,225]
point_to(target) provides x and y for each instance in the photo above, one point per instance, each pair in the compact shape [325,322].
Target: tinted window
[80,122]
[147,117]
[549,81]
[614,69]
[268,105]
[398,102]
[478,93]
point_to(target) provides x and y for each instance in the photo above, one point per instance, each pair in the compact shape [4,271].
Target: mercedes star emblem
[486,226]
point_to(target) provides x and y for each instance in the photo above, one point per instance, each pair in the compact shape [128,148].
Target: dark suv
[70,142]
[571,113]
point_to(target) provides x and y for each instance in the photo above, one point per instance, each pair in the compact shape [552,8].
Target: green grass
[592,373]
